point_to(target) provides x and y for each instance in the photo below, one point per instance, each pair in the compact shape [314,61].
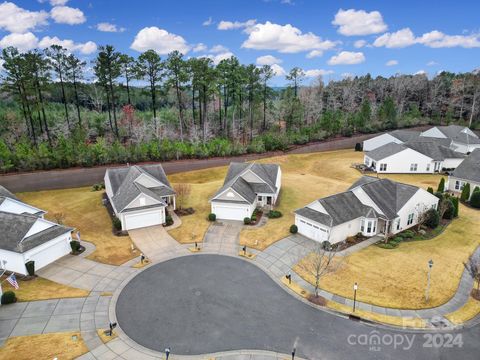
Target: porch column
[174,205]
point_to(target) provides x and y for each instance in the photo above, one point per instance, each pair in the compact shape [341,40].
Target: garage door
[231,213]
[135,221]
[312,231]
[54,251]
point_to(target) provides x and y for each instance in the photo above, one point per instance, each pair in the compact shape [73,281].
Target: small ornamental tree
[475,199]
[182,193]
[293,229]
[358,147]
[465,192]
[430,190]
[432,218]
[455,205]
[441,185]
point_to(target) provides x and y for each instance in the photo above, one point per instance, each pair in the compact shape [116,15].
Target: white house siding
[108,185]
[42,255]
[365,199]
[232,211]
[249,176]
[464,148]
[278,182]
[230,195]
[418,203]
[451,163]
[433,132]
[16,207]
[401,162]
[341,232]
[142,200]
[378,141]
[451,185]
[148,181]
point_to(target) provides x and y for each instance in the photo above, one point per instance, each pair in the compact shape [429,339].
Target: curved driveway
[210,303]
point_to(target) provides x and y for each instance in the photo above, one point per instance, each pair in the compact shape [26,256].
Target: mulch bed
[80,250]
[475,294]
[111,213]
[185,212]
[259,215]
[317,300]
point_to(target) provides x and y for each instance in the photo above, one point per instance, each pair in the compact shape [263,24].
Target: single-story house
[246,187]
[467,172]
[139,195]
[456,137]
[420,157]
[371,206]
[27,236]
[463,139]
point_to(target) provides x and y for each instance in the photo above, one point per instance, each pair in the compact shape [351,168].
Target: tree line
[52,98]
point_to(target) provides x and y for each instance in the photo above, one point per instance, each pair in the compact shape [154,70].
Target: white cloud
[359,43]
[159,40]
[67,15]
[23,42]
[284,38]
[391,63]
[347,75]
[317,72]
[58,2]
[199,47]
[398,39]
[108,27]
[434,39]
[18,20]
[85,48]
[268,60]
[347,58]
[432,63]
[232,25]
[314,53]
[420,72]
[218,49]
[219,57]
[208,22]
[359,22]
[278,70]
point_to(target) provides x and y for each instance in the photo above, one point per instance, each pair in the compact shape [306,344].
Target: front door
[269,200]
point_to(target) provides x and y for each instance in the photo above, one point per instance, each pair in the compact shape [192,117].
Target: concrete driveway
[223,236]
[156,243]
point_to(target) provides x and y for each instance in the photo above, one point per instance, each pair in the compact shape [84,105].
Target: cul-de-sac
[242,180]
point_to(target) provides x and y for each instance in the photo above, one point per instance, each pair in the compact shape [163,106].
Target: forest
[57,111]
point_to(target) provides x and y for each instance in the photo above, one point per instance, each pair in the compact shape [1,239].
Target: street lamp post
[430,265]
[355,287]
[293,354]
[167,352]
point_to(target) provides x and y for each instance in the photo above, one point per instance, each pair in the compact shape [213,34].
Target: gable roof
[434,151]
[455,132]
[469,169]
[386,150]
[405,135]
[125,188]
[4,193]
[249,190]
[14,227]
[390,196]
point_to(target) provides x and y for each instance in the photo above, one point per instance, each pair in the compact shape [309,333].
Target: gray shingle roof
[385,151]
[315,215]
[469,169]
[4,193]
[248,190]
[388,195]
[14,227]
[435,151]
[455,133]
[405,135]
[125,189]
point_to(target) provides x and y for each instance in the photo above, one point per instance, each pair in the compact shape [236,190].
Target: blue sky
[332,38]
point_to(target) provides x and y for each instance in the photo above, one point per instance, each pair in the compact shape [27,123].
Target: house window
[260,198]
[230,194]
[459,185]
[428,167]
[398,224]
[410,219]
[374,164]
[413,167]
[369,227]
[383,167]
[142,201]
[362,226]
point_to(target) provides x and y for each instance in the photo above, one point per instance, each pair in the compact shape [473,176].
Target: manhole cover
[198,293]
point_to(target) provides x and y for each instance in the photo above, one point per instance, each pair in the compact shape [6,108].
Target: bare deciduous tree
[472,265]
[59,217]
[182,192]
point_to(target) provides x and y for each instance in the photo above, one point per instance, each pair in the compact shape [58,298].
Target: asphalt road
[209,303]
[76,177]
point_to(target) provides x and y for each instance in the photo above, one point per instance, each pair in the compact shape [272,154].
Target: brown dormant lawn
[84,211]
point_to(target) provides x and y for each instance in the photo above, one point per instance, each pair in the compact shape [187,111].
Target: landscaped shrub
[475,199]
[396,240]
[212,217]
[8,297]
[254,218]
[465,195]
[30,265]
[98,187]
[408,234]
[117,224]
[433,218]
[439,195]
[450,211]
[168,220]
[441,185]
[75,245]
[358,147]
[293,229]
[326,245]
[274,214]
[247,221]
[455,205]
[430,190]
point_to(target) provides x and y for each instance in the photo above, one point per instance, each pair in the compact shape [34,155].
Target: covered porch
[170,201]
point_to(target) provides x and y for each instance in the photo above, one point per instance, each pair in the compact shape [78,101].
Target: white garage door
[49,254]
[231,213]
[135,221]
[312,231]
